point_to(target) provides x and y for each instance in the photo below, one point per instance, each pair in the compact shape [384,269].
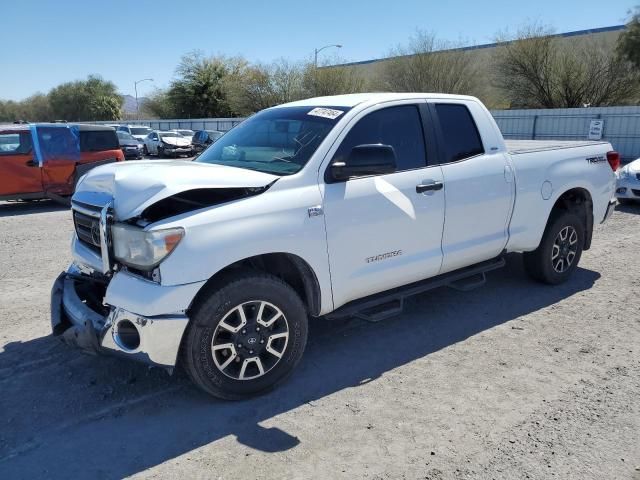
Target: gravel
[512,380]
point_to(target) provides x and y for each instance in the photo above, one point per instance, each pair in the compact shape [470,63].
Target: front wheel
[246,336]
[559,252]
[160,152]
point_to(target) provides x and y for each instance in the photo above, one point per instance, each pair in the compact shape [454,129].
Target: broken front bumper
[80,319]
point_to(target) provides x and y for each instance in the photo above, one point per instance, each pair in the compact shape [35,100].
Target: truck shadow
[12,209]
[78,416]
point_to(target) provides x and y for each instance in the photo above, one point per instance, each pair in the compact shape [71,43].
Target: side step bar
[381,306]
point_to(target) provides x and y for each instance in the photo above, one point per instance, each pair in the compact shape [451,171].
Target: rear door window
[98,140]
[399,127]
[460,135]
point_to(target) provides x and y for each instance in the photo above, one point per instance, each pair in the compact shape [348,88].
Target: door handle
[429,187]
[31,163]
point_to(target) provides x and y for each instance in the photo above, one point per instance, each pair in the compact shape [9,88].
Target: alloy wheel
[564,249]
[250,340]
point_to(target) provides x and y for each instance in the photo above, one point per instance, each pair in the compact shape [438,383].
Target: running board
[469,283]
[381,306]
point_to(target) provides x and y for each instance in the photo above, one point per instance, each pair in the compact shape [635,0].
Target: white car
[326,207]
[185,133]
[167,144]
[139,132]
[628,183]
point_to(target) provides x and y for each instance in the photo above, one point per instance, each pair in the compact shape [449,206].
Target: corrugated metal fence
[219,124]
[621,125]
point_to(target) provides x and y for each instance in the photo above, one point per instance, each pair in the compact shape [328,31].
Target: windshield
[124,136]
[278,141]
[140,130]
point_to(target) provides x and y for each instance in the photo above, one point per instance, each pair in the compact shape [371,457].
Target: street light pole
[135,87]
[318,50]
[315,64]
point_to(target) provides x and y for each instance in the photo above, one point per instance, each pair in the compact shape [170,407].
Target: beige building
[482,54]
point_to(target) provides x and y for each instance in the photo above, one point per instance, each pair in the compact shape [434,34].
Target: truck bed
[517,147]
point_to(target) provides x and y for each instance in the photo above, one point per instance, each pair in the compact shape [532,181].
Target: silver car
[628,183]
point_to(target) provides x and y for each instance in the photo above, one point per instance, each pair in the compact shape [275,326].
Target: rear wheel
[246,336]
[559,252]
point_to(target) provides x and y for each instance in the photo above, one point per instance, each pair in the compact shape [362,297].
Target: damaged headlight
[142,249]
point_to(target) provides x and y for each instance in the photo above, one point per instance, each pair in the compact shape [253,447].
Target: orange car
[46,160]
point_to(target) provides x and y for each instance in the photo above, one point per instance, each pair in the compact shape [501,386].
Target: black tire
[145,151]
[246,290]
[160,152]
[544,263]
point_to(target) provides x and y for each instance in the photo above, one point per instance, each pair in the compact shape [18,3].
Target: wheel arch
[290,268]
[578,200]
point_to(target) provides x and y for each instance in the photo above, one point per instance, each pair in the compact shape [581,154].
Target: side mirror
[374,159]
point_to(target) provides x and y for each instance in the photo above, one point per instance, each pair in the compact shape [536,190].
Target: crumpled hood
[136,185]
[177,141]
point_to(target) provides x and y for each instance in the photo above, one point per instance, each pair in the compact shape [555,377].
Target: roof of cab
[353,99]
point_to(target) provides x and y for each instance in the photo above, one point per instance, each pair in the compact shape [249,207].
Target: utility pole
[315,63]
[135,87]
[318,50]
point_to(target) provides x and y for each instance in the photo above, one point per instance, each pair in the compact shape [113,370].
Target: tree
[629,41]
[427,64]
[35,108]
[537,70]
[331,79]
[254,87]
[198,90]
[86,100]
[159,105]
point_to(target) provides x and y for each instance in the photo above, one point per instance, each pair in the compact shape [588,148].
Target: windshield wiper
[276,159]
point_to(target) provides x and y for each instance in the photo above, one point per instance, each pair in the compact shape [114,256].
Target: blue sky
[45,43]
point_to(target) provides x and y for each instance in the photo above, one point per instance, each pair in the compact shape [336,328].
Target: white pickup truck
[327,207]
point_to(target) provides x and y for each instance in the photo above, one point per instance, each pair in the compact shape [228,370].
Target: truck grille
[87,229]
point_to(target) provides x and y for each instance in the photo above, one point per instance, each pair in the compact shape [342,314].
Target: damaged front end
[196,199]
[81,319]
[101,304]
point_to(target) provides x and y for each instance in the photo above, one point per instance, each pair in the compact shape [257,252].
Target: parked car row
[138,140]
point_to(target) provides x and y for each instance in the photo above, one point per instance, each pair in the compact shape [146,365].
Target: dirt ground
[513,380]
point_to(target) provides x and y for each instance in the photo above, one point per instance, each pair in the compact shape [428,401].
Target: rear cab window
[399,127]
[458,132]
